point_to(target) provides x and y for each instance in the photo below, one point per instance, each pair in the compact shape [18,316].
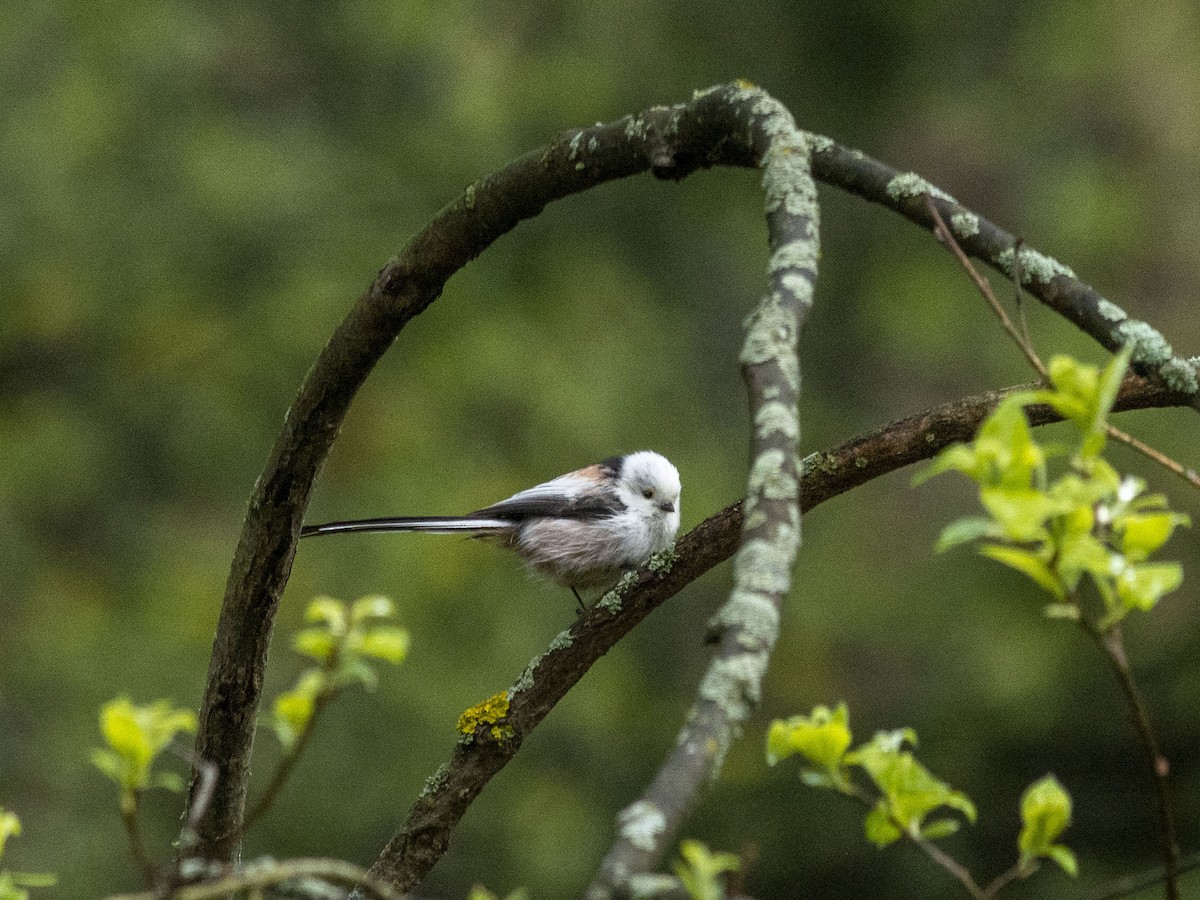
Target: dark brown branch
[426,832]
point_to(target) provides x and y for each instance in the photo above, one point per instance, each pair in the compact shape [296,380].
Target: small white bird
[583,529]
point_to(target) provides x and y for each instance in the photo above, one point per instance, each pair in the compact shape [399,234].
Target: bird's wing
[576,495]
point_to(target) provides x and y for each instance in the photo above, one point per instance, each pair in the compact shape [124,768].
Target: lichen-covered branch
[426,832]
[1046,278]
[747,626]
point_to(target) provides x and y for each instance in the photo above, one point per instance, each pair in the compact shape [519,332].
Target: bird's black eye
[647,493]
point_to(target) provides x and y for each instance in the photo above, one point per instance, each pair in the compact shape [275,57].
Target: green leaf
[1045,814]
[1028,564]
[136,735]
[822,737]
[356,671]
[963,531]
[317,643]
[293,712]
[939,828]
[374,607]
[171,781]
[1021,512]
[1142,586]
[1065,859]
[390,644]
[1143,533]
[879,827]
[700,870]
[330,611]
[10,826]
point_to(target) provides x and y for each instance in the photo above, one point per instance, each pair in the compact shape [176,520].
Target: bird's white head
[649,485]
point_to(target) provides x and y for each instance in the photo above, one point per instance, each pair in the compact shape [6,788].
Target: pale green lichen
[469,196]
[734,684]
[771,335]
[787,179]
[1179,375]
[819,143]
[662,562]
[794,255]
[436,781]
[965,224]
[775,417]
[614,598]
[636,128]
[592,144]
[647,885]
[641,823]
[910,184]
[799,286]
[769,479]
[753,614]
[765,566]
[562,641]
[1034,266]
[1110,311]
[573,147]
[820,461]
[1150,348]
[860,462]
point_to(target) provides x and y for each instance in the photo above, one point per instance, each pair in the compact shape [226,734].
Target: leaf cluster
[904,795]
[136,736]
[342,641]
[1089,522]
[13,884]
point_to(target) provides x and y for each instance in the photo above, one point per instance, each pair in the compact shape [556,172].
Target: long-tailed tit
[582,529]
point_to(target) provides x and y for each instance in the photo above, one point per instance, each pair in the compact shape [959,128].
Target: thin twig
[1008,876]
[1133,884]
[1112,645]
[1022,340]
[270,873]
[943,234]
[1018,295]
[130,821]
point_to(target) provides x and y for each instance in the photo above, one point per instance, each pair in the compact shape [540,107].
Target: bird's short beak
[667,507]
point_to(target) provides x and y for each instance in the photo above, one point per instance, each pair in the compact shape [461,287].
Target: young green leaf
[822,737]
[700,870]
[1045,814]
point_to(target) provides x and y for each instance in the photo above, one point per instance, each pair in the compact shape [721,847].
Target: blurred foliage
[194,192]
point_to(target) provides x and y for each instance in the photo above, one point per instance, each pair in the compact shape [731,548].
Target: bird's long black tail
[426,524]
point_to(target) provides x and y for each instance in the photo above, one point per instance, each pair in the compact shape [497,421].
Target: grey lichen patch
[753,614]
[820,144]
[469,196]
[612,601]
[910,184]
[573,147]
[794,255]
[787,179]
[771,336]
[592,144]
[799,287]
[734,684]
[1110,311]
[1179,375]
[965,224]
[775,417]
[436,781]
[641,823]
[662,562]
[1034,266]
[636,128]
[647,885]
[769,478]
[562,641]
[820,461]
[1150,348]
[764,566]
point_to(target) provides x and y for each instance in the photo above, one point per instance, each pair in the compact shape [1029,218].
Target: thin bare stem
[1008,876]
[129,813]
[257,876]
[1018,295]
[1112,645]
[1188,475]
[1021,339]
[943,234]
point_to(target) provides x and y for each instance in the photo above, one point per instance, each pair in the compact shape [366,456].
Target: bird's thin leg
[582,609]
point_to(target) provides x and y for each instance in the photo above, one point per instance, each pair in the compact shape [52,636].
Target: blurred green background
[192,194]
